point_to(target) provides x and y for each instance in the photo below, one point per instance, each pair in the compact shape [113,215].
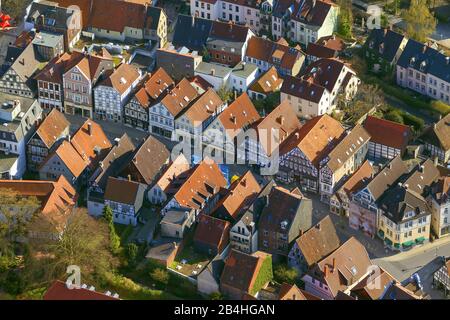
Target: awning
[408,243]
[381,234]
[420,240]
[397,245]
[388,241]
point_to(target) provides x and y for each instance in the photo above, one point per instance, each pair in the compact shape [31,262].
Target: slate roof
[191,32]
[438,134]
[385,42]
[311,12]
[425,59]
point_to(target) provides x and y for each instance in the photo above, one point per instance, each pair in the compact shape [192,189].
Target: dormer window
[423,64]
[412,61]
[371,43]
[381,49]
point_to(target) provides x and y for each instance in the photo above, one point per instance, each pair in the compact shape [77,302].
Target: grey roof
[387,177]
[174,216]
[220,71]
[244,70]
[385,42]
[7,161]
[18,127]
[191,32]
[54,16]
[425,59]
[47,39]
[153,16]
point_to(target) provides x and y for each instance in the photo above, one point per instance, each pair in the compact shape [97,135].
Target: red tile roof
[212,231]
[52,127]
[60,291]
[388,133]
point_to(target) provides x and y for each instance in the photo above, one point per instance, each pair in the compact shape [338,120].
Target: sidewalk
[439,247]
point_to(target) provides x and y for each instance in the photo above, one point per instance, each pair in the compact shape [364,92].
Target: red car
[4,21]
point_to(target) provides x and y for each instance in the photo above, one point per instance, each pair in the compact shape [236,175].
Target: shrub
[160,276]
[394,115]
[284,274]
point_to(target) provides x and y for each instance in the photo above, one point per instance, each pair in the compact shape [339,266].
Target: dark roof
[282,209]
[438,134]
[53,15]
[211,231]
[148,160]
[385,42]
[228,31]
[191,32]
[396,291]
[240,270]
[123,191]
[425,59]
[312,12]
[117,157]
[153,16]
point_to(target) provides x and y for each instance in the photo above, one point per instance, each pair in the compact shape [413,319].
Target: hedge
[434,106]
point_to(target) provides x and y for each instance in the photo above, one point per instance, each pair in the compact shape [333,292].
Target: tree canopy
[420,23]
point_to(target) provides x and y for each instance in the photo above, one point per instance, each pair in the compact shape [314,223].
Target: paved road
[424,260]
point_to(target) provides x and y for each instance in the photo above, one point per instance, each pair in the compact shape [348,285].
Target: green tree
[84,243]
[15,8]
[132,252]
[345,19]
[160,276]
[394,115]
[420,23]
[225,94]
[284,274]
[216,296]
[114,239]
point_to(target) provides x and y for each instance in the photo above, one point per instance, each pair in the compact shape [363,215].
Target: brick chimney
[89,128]
[334,264]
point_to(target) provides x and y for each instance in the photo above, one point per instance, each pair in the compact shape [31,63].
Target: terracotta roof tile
[240,113]
[175,168]
[319,241]
[60,291]
[212,231]
[315,138]
[52,127]
[122,191]
[122,78]
[204,107]
[387,133]
[180,97]
[268,82]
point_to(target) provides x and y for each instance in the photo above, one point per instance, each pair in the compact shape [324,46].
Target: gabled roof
[241,193]
[191,32]
[54,15]
[60,291]
[239,114]
[92,66]
[57,198]
[425,59]
[276,53]
[175,168]
[180,97]
[311,12]
[204,107]
[54,70]
[439,134]
[315,138]
[386,177]
[91,142]
[345,266]
[440,191]
[192,189]
[120,154]
[154,88]
[319,241]
[282,209]
[122,78]
[148,160]
[268,82]
[385,41]
[71,158]
[278,125]
[395,291]
[372,287]
[241,270]
[302,89]
[387,132]
[228,31]
[347,147]
[212,231]
[123,191]
[326,47]
[52,127]
[358,179]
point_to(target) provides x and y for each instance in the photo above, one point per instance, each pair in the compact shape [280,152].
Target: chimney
[129,177]
[213,72]
[300,232]
[89,128]
[436,161]
[334,264]
[267,200]
[193,21]
[325,271]
[297,135]
[244,182]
